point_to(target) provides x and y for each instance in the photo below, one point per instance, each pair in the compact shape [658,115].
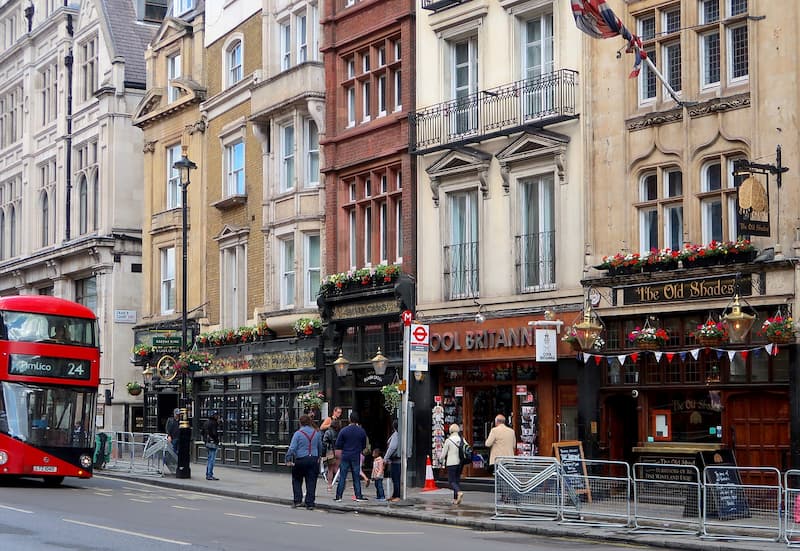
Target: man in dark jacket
[351,440]
[212,444]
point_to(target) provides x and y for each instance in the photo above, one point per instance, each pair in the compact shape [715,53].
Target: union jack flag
[598,20]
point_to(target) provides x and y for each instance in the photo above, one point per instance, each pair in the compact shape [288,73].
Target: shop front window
[686,416]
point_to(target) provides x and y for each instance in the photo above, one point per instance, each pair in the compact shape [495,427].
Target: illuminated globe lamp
[341,364]
[737,322]
[379,363]
[588,330]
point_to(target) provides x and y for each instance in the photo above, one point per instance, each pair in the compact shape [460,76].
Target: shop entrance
[623,427]
[375,419]
[485,404]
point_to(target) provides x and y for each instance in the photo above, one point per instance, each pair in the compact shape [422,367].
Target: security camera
[635,393]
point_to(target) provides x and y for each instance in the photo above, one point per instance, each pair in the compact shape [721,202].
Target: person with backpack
[454,453]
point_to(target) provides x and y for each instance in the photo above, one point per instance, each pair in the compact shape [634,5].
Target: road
[113,514]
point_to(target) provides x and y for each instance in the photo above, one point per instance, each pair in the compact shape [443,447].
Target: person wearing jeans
[351,440]
[212,444]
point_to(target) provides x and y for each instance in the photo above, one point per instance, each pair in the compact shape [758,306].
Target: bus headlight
[3,457]
[86,461]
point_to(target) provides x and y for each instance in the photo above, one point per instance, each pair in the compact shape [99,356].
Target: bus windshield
[47,416]
[29,327]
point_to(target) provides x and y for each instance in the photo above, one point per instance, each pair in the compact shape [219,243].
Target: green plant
[648,334]
[133,386]
[711,330]
[391,396]
[142,350]
[306,326]
[778,327]
[311,400]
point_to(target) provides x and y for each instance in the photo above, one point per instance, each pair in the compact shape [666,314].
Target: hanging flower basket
[779,329]
[391,397]
[711,333]
[648,337]
[647,345]
[710,342]
[134,388]
[781,339]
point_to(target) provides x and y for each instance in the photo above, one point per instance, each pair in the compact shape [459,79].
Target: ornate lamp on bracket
[341,364]
[589,329]
[738,323]
[379,363]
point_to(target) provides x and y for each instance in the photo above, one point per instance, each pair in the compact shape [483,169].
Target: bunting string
[771,349]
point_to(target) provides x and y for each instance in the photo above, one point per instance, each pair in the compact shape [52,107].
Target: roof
[45,305]
[129,37]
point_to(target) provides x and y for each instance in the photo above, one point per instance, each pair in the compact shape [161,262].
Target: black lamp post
[184,166]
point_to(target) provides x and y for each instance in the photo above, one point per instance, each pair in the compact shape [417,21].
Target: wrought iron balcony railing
[437,5]
[461,270]
[536,261]
[535,102]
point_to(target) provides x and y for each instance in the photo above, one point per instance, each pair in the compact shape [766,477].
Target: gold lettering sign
[364,309]
[273,361]
[696,289]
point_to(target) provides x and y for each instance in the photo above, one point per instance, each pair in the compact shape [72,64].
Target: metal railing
[141,453]
[461,270]
[538,102]
[536,261]
[666,498]
[602,496]
[527,488]
[436,5]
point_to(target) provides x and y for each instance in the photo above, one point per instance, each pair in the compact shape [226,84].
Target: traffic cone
[429,483]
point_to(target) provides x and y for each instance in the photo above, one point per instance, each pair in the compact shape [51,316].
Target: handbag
[330,457]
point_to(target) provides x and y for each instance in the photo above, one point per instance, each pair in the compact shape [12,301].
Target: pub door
[622,427]
[759,433]
[485,404]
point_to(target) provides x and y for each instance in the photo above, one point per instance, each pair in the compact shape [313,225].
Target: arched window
[233,63]
[12,232]
[83,205]
[45,208]
[95,200]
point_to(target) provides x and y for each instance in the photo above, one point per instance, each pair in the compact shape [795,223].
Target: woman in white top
[451,459]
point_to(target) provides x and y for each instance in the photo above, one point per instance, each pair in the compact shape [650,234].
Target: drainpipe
[68,59]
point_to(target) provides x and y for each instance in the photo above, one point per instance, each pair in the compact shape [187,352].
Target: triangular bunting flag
[622,358]
[744,353]
[586,358]
[731,354]
[721,353]
[768,348]
[597,360]
[694,352]
[658,356]
[670,355]
[682,355]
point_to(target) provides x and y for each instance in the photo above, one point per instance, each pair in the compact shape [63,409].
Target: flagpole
[660,77]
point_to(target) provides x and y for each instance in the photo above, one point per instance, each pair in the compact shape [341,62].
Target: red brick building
[368,52]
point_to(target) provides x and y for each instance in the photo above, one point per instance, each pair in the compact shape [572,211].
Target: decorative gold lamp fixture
[341,364]
[379,363]
[738,323]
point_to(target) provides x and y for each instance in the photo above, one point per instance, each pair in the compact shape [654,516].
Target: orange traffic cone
[429,483]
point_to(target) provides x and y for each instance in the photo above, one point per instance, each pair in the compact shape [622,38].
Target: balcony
[438,5]
[536,261]
[461,270]
[532,103]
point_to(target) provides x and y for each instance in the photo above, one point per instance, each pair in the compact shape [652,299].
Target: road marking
[303,524]
[239,515]
[126,532]
[141,500]
[15,509]
[383,533]
[183,507]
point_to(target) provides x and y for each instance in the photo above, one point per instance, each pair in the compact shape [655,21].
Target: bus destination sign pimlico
[692,289]
[59,368]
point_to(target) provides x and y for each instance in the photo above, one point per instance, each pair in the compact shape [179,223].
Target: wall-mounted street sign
[419,343]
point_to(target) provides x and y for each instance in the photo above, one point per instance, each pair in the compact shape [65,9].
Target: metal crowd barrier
[666,498]
[601,496]
[791,507]
[742,503]
[141,453]
[527,487]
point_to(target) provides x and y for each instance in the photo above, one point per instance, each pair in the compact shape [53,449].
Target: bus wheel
[53,481]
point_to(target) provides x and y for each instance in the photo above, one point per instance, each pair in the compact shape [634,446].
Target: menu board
[727,500]
[570,454]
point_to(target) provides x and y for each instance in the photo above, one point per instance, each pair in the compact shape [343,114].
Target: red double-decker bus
[49,374]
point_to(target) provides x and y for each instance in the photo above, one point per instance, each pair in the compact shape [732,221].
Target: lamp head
[419,376]
[738,323]
[588,330]
[184,165]
[379,363]
[341,364]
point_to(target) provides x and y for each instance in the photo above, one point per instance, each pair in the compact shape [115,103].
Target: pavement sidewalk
[476,511]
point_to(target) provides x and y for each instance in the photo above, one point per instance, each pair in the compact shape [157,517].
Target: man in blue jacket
[351,440]
[303,454]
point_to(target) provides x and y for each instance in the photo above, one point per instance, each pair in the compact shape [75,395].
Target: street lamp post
[184,166]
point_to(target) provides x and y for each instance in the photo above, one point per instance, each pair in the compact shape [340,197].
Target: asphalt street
[115,514]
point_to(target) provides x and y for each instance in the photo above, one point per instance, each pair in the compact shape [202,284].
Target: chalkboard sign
[570,454]
[727,500]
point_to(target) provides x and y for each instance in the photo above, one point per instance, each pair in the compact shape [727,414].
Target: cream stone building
[665,174]
[70,159]
[502,203]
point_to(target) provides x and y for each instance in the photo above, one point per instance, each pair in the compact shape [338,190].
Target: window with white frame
[83,205]
[87,68]
[287,272]
[311,281]
[536,241]
[366,99]
[371,82]
[182,6]
[660,33]
[367,214]
[285,34]
[718,199]
[233,63]
[173,177]
[234,168]
[96,200]
[352,237]
[47,191]
[12,231]
[44,210]
[11,115]
[167,280]
[537,61]
[351,106]
[173,72]
[660,209]
[298,37]
[382,95]
[312,153]
[287,157]
[48,78]
[723,60]
[460,259]
[398,229]
[233,284]
[464,83]
[86,292]
[383,233]
[302,37]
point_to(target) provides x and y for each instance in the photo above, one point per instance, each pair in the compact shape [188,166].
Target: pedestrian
[392,458]
[377,474]
[303,454]
[331,457]
[336,415]
[502,441]
[212,444]
[351,440]
[452,460]
[173,429]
